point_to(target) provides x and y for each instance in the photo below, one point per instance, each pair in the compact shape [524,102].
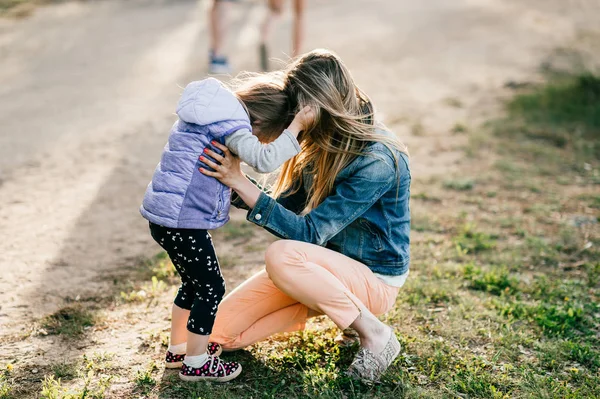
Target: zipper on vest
[220,204]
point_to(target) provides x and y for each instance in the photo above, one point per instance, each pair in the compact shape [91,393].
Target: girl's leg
[179,318]
[254,311]
[171,241]
[333,284]
[199,263]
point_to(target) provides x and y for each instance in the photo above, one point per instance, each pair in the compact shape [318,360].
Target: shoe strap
[213,366]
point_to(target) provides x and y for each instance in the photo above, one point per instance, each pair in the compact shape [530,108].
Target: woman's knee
[280,258]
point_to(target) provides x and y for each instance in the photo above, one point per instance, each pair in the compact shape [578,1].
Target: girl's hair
[266,102]
[342,128]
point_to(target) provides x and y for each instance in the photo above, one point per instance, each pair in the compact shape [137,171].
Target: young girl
[181,203]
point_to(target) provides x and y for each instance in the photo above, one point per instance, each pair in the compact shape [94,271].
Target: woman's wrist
[247,191]
[239,182]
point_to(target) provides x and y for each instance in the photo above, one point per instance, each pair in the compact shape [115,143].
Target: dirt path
[87,92]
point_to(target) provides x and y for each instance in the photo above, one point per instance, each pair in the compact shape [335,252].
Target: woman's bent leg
[254,311]
[327,281]
[346,291]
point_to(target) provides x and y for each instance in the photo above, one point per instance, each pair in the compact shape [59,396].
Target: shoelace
[219,363]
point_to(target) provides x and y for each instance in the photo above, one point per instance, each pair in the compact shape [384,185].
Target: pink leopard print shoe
[214,369]
[174,361]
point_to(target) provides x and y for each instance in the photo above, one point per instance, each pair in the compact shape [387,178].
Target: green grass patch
[464,184]
[304,365]
[555,354]
[64,371]
[497,282]
[144,379]
[8,4]
[91,381]
[459,128]
[555,128]
[471,241]
[70,321]
[568,106]
[234,231]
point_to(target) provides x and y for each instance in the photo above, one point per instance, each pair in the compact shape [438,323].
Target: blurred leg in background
[218,16]
[298,33]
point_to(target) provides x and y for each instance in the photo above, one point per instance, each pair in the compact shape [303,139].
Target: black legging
[202,285]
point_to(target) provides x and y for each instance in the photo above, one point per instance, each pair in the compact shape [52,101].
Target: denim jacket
[366,217]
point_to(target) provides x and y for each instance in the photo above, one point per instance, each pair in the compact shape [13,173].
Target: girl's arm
[266,158]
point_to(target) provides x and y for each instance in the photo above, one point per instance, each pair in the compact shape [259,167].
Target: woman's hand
[226,168]
[228,171]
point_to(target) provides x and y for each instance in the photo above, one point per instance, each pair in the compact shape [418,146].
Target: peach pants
[298,277]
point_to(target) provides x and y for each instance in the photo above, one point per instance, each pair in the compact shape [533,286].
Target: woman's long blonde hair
[342,128]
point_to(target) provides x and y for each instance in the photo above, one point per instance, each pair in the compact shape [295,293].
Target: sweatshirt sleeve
[264,158]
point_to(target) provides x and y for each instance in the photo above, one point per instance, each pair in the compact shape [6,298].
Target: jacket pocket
[373,233]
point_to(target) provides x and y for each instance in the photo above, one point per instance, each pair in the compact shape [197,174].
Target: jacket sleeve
[349,200]
[238,202]
[295,202]
[264,158]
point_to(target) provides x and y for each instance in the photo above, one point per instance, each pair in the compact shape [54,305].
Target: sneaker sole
[192,378]
[173,365]
[219,70]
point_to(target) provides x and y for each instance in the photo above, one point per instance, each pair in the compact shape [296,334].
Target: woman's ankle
[373,333]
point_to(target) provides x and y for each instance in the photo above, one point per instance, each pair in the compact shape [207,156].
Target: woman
[342,208]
